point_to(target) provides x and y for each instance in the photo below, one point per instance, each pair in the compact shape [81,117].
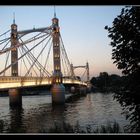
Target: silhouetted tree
[125,36]
[115,82]
[93,81]
[125,40]
[101,82]
[104,80]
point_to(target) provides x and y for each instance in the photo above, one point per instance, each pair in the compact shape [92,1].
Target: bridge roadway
[7,82]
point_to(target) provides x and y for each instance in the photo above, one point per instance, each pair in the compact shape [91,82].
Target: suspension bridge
[37,57]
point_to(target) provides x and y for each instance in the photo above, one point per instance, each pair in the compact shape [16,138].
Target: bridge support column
[58,94]
[15,98]
[58,89]
[83,90]
[72,89]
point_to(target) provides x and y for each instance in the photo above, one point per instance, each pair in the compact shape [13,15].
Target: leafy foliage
[125,36]
[125,40]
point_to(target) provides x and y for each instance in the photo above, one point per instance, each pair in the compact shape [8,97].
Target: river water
[39,116]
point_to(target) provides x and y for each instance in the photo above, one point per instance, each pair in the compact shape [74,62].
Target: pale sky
[81,27]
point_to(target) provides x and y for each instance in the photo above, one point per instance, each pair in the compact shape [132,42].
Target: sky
[81,27]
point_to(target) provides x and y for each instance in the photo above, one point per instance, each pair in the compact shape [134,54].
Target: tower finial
[54,12]
[14,18]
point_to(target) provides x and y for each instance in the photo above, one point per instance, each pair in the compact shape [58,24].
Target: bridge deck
[7,82]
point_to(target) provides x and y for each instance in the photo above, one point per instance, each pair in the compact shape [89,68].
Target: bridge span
[7,82]
[26,57]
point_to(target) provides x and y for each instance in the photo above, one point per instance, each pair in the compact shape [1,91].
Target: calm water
[37,115]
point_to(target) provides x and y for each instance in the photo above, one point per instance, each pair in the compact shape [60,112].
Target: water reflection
[58,112]
[58,117]
[38,115]
[16,122]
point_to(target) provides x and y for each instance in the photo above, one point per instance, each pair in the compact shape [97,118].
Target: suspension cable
[31,56]
[63,52]
[6,45]
[37,57]
[28,60]
[6,61]
[64,61]
[5,33]
[4,40]
[48,55]
[34,36]
[21,62]
[22,56]
[83,74]
[19,45]
[63,66]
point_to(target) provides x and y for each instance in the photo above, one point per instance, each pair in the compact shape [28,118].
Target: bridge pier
[58,94]
[83,90]
[15,98]
[72,89]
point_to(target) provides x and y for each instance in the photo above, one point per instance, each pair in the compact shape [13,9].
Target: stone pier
[15,98]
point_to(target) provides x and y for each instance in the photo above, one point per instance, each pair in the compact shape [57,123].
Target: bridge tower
[15,98]
[58,89]
[14,52]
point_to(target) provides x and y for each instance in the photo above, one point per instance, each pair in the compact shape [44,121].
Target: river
[39,116]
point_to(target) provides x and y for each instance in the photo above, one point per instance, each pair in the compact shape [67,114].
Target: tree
[115,81]
[125,36]
[105,82]
[104,79]
[125,40]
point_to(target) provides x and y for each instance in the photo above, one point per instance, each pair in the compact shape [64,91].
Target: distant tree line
[107,83]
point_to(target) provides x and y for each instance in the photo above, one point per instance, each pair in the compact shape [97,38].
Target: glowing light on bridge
[21,48]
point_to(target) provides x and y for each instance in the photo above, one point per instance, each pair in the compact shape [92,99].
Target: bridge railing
[73,81]
[6,79]
[11,82]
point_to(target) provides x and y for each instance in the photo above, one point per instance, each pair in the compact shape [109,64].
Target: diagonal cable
[37,64]
[37,57]
[21,56]
[5,33]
